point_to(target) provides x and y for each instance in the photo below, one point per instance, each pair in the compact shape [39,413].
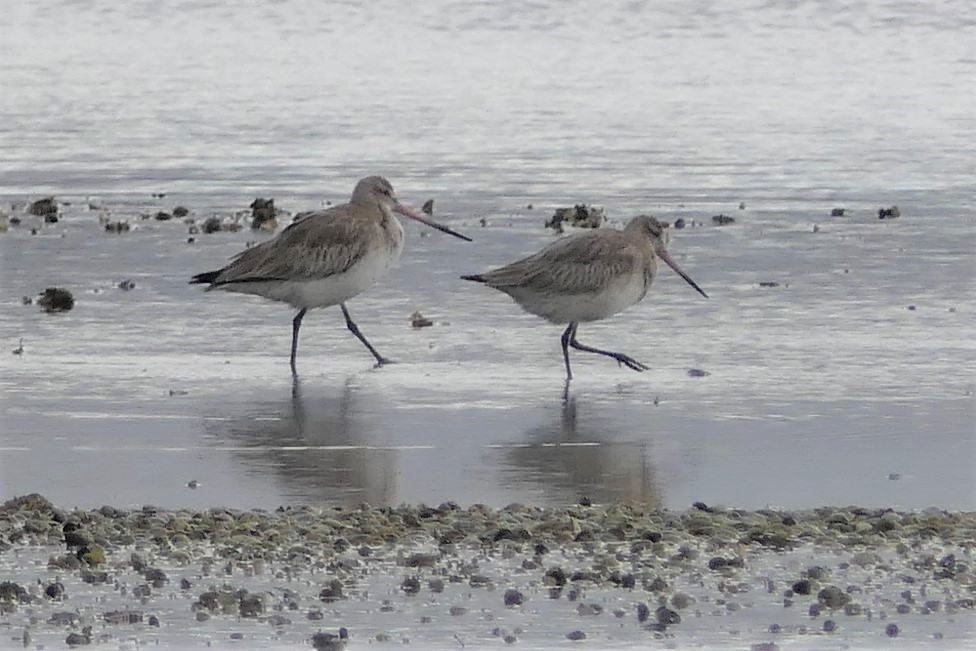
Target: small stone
[120,617]
[185,584]
[410,585]
[513,597]
[428,207]
[252,605]
[211,225]
[180,211]
[768,283]
[43,207]
[418,320]
[56,299]
[666,617]
[723,220]
[802,587]
[126,285]
[889,213]
[829,626]
[679,223]
[680,600]
[202,616]
[643,612]
[697,372]
[55,590]
[153,621]
[837,212]
[76,639]
[555,577]
[436,585]
[891,630]
[332,591]
[894,476]
[510,639]
[833,597]
[576,636]
[911,308]
[853,609]
[457,611]
[237,636]
[163,216]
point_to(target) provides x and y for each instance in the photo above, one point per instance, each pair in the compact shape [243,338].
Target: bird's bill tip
[413,214]
[664,255]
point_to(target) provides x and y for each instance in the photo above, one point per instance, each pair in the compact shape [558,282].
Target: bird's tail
[478,278]
[206,277]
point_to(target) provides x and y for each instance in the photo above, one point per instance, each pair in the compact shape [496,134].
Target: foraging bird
[587,277]
[326,258]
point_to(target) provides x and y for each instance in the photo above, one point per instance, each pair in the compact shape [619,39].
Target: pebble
[833,597]
[513,597]
[576,636]
[56,299]
[891,630]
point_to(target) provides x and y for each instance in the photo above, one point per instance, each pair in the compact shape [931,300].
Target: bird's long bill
[664,255]
[409,212]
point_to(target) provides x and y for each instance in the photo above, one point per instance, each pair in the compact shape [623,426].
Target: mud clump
[44,208]
[56,299]
[418,320]
[889,213]
[723,220]
[180,211]
[428,207]
[580,216]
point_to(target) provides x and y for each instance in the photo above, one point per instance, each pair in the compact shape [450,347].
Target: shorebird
[326,258]
[587,277]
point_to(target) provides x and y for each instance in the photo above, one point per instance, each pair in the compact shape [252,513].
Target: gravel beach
[451,577]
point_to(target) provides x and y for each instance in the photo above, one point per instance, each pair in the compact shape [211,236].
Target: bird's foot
[383,361]
[630,362]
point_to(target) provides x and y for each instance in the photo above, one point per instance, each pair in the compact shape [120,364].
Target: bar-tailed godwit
[587,277]
[326,258]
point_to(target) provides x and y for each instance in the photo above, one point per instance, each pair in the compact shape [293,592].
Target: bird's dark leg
[353,328]
[627,361]
[295,325]
[569,335]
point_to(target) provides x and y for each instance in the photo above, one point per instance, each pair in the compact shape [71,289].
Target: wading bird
[326,258]
[587,277]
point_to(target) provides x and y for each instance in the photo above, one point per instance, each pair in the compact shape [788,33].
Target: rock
[418,320]
[891,630]
[457,611]
[162,216]
[117,227]
[580,216]
[54,590]
[555,577]
[681,601]
[829,626]
[722,220]
[180,211]
[769,283]
[410,585]
[576,636]
[329,641]
[44,207]
[157,577]
[332,592]
[436,585]
[666,617]
[889,213]
[697,372]
[56,299]
[152,620]
[833,597]
[428,207]
[513,597]
[62,618]
[802,587]
[252,605]
[211,225]
[126,285]
[77,639]
[837,212]
[643,612]
[11,592]
[263,214]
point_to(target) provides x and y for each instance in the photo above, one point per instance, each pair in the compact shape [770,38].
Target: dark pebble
[903,609]
[410,585]
[837,212]
[76,639]
[891,630]
[769,283]
[643,612]
[802,587]
[666,616]
[436,585]
[180,211]
[829,626]
[185,584]
[697,372]
[576,636]
[833,597]
[44,207]
[153,621]
[723,220]
[211,225]
[679,223]
[331,592]
[555,576]
[513,597]
[55,590]
[163,216]
[251,605]
[56,299]
[237,636]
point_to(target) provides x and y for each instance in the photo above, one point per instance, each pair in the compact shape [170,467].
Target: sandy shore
[448,577]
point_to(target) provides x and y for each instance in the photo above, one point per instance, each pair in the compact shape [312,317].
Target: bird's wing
[577,264]
[322,244]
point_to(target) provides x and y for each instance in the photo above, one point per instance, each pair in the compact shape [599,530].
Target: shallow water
[825,389]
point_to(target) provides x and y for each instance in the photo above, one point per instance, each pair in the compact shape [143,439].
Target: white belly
[583,307]
[323,292]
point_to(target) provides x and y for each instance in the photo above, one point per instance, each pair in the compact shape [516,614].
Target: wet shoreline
[614,575]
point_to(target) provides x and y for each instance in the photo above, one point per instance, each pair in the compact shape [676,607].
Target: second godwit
[587,277]
[326,258]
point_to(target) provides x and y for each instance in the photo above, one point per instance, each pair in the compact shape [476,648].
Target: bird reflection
[571,458]
[316,446]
